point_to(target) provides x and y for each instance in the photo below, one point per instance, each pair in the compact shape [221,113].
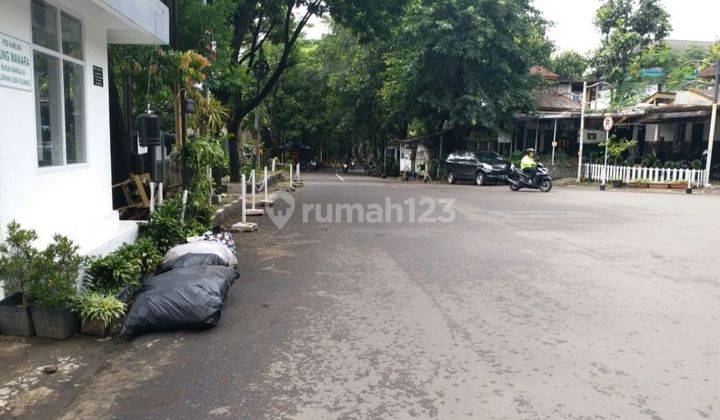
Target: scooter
[517,179]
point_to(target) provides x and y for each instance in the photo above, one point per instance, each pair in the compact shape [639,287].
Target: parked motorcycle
[518,179]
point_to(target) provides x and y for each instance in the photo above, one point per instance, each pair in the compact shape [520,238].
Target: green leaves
[629,27]
[569,65]
[103,308]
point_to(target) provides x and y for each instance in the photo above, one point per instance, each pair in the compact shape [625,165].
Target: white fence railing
[594,172]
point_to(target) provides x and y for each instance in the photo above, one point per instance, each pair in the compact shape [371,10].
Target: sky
[573,29]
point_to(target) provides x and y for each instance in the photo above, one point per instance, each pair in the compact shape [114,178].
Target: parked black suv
[476,166]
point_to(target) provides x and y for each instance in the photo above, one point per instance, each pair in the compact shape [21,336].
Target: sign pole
[607,125]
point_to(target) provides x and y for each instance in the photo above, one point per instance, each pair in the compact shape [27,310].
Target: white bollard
[292,180]
[152,197]
[253,181]
[298,181]
[254,211]
[244,199]
[160,194]
[184,204]
[243,226]
[265,184]
[273,164]
[266,200]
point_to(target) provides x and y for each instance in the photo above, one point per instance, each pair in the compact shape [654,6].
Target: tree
[628,27]
[243,30]
[569,65]
[465,61]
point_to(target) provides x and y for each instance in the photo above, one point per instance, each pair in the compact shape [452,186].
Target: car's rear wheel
[479,178]
[450,178]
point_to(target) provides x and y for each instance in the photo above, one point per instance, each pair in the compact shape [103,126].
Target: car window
[489,157]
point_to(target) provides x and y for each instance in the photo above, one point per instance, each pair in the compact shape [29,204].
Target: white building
[55,172]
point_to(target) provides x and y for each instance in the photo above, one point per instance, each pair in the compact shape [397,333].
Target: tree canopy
[569,65]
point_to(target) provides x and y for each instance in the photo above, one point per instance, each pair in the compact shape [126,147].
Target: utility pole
[582,131]
[713,124]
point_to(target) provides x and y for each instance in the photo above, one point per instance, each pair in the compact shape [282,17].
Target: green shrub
[697,164]
[17,255]
[165,228]
[103,308]
[53,282]
[114,272]
[146,252]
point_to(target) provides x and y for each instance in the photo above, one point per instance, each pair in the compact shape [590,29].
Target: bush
[697,164]
[114,272]
[53,282]
[103,308]
[165,228]
[16,259]
[145,252]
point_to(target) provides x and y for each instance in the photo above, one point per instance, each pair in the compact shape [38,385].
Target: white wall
[73,200]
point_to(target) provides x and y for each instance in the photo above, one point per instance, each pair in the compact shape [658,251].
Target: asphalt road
[573,304]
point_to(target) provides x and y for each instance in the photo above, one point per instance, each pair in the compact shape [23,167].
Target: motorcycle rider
[528,164]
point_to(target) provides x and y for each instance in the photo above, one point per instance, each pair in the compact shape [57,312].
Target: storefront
[55,171]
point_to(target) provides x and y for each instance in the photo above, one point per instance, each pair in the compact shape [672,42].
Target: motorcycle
[518,179]
[345,167]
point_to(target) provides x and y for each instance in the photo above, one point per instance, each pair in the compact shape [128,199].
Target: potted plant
[99,313]
[53,289]
[16,259]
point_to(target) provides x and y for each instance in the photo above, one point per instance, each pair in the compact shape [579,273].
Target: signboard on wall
[15,63]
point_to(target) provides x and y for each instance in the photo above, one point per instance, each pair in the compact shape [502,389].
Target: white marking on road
[341,178]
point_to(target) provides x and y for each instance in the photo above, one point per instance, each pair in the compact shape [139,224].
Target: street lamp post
[582,122]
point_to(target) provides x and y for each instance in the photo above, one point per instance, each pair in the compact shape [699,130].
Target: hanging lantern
[148,129]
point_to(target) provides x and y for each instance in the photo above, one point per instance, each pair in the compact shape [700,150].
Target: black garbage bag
[186,307]
[182,299]
[216,280]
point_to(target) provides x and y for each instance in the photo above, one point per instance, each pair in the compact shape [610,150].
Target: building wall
[73,200]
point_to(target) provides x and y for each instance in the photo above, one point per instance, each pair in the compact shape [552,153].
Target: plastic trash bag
[216,280]
[199,253]
[182,299]
[187,307]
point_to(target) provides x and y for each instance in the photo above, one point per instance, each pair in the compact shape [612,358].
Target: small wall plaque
[98,76]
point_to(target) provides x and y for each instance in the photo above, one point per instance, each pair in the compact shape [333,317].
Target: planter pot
[15,319]
[94,328]
[678,186]
[659,186]
[52,323]
[637,185]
